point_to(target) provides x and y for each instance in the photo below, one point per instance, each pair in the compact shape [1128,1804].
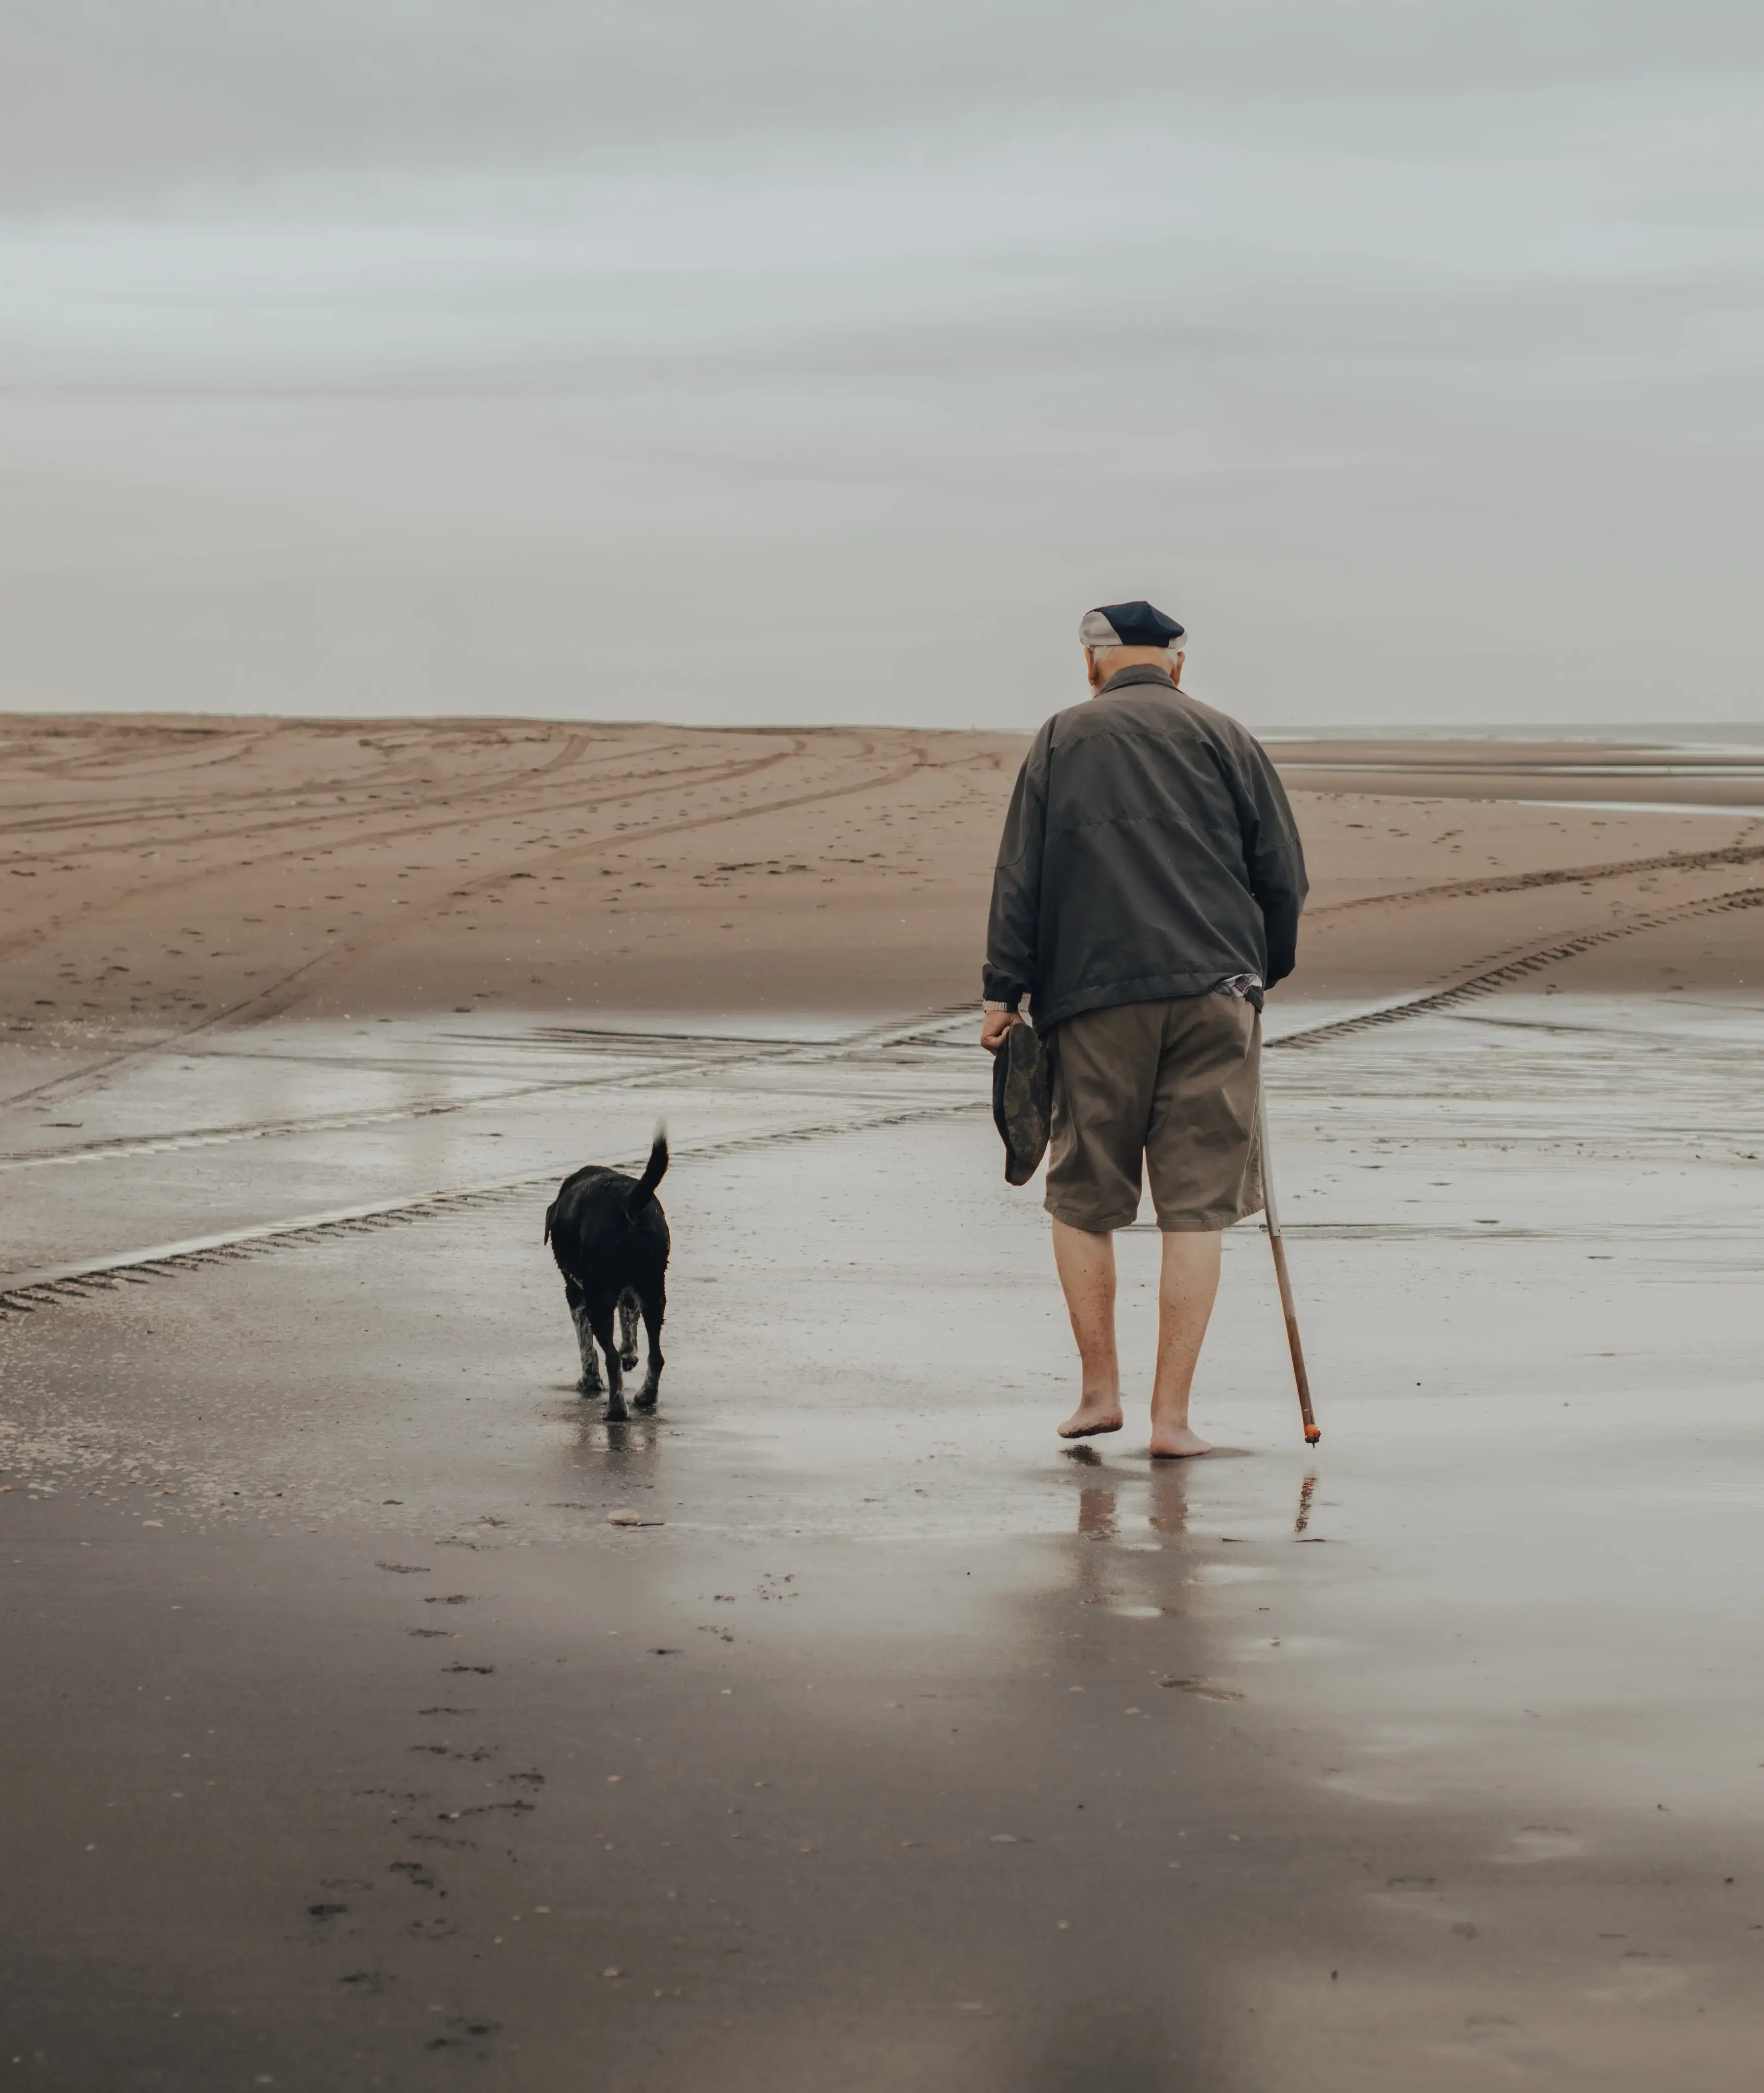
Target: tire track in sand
[1524,882]
[1490,979]
[422,795]
[183,812]
[28,1291]
[20,941]
[300,981]
[695,1056]
[278,995]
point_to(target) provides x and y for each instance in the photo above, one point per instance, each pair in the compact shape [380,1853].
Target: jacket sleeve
[1274,856]
[1012,927]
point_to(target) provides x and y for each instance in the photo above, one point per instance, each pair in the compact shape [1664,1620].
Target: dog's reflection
[612,1447]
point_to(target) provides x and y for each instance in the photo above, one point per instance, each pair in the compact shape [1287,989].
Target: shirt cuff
[989,1005]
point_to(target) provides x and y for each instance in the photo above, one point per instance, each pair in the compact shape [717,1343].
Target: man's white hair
[1104,657]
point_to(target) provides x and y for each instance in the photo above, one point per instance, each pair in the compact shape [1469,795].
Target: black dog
[609,1236]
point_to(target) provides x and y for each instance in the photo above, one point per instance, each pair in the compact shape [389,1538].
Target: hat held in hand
[1023,1101]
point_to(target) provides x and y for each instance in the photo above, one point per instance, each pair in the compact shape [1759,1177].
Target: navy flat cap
[1130,625]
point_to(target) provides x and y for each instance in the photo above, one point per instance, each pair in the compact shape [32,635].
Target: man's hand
[993,1027]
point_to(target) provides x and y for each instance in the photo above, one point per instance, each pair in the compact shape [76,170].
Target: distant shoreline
[1712,737]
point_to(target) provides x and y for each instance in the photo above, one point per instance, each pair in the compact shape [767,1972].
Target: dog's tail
[654,1170]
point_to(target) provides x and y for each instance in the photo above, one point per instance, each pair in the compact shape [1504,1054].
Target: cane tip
[1312,1433]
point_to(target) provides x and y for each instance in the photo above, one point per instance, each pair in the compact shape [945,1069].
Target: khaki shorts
[1175,1081]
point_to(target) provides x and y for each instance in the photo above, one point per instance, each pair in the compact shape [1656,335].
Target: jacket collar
[1141,672]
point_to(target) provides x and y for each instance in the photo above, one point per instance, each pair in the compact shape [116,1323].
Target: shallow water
[1466,1704]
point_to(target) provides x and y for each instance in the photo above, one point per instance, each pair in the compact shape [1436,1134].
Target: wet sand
[347,1737]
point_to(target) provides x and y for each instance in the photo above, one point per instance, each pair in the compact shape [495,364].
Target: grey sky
[825,363]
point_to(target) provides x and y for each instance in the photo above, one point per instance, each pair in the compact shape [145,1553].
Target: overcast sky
[825,361]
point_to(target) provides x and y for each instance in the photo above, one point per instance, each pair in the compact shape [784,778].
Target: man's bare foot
[1095,1414]
[1176,1442]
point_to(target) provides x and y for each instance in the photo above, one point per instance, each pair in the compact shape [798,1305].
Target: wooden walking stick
[1312,1430]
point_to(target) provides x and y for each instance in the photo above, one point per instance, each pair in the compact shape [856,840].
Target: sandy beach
[377,1714]
[171,877]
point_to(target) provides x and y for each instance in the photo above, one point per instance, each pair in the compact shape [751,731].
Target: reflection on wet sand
[1169,1486]
[1136,1579]
[872,1759]
[1096,1513]
[1165,1491]
[625,1446]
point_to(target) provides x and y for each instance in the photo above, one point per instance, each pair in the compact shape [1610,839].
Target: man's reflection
[1096,1512]
[1170,1499]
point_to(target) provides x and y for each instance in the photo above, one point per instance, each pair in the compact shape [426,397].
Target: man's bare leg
[1186,1285]
[1086,1269]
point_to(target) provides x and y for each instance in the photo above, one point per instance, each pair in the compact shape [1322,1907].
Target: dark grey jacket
[1149,851]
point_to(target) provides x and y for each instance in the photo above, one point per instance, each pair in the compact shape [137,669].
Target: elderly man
[1148,890]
